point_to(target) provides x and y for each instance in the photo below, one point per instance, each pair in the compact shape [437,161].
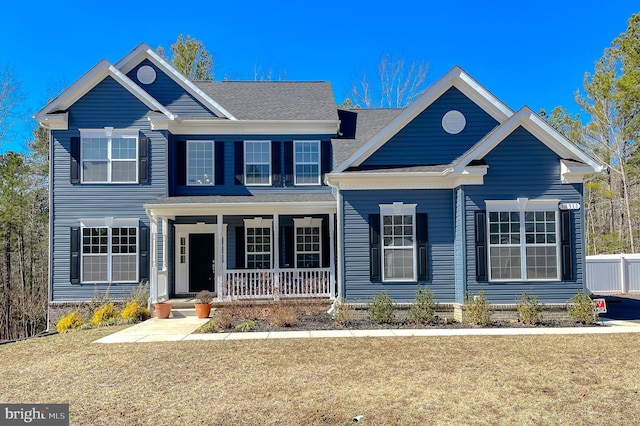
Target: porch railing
[271,284]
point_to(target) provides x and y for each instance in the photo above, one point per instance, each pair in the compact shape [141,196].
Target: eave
[244,127]
[172,210]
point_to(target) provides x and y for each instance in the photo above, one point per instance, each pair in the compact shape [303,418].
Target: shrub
[529,310]
[423,309]
[284,316]
[245,326]
[581,308]
[106,312]
[220,322]
[477,310]
[69,322]
[381,309]
[204,297]
[134,312]
[140,294]
[342,314]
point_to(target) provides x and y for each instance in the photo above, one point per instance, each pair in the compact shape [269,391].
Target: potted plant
[203,303]
[162,309]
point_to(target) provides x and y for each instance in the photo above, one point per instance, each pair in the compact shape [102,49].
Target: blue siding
[438,204]
[108,104]
[229,187]
[522,166]
[427,141]
[171,94]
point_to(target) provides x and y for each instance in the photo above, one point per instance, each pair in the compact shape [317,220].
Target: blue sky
[525,53]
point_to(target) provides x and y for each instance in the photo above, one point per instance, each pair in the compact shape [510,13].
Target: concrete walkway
[181,327]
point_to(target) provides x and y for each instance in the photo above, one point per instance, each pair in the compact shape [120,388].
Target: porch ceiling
[243,204]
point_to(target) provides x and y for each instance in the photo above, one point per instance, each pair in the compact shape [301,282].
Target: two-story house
[267,190]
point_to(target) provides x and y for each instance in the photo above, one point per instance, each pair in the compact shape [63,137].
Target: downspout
[50,251]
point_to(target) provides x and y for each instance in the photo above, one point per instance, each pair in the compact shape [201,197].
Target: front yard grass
[582,379]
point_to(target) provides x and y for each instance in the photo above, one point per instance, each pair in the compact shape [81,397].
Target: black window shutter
[288,241]
[219,162]
[74,266]
[181,162]
[143,156]
[275,164]
[239,162]
[566,246]
[374,247]
[240,247]
[288,163]
[422,235]
[325,159]
[144,252]
[326,243]
[74,172]
[481,245]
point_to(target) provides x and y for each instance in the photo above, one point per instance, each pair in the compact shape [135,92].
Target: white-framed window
[308,247]
[398,230]
[109,155]
[258,242]
[524,243]
[257,162]
[200,163]
[109,250]
[306,156]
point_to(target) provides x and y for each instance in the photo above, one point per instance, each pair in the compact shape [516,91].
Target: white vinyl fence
[613,273]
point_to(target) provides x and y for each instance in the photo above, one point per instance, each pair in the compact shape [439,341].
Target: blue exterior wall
[107,104]
[427,141]
[439,206]
[522,166]
[170,94]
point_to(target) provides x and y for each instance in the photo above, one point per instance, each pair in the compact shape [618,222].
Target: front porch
[248,252]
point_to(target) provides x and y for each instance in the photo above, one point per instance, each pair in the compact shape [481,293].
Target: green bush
[133,312]
[342,315]
[69,322]
[245,326]
[423,309]
[529,310]
[381,309]
[106,313]
[581,308]
[477,310]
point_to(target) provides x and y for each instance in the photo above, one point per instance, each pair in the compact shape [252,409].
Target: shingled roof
[267,100]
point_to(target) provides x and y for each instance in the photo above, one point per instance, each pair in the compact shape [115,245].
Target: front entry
[201,262]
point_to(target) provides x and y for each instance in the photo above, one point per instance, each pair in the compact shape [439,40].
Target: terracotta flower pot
[162,309]
[203,310]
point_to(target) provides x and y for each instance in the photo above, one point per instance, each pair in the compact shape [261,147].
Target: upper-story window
[257,162]
[200,163]
[109,156]
[307,162]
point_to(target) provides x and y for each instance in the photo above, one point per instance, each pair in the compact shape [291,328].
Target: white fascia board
[87,82]
[417,180]
[250,127]
[268,208]
[539,128]
[143,51]
[571,172]
[457,78]
[59,121]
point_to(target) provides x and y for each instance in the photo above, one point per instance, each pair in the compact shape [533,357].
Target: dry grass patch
[589,379]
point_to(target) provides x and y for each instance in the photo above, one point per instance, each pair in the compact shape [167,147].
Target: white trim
[457,78]
[539,128]
[181,278]
[407,180]
[143,51]
[109,133]
[522,204]
[259,223]
[574,172]
[245,127]
[213,163]
[398,209]
[180,209]
[318,163]
[307,222]
[87,82]
[270,175]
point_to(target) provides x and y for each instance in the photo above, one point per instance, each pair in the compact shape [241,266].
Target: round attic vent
[146,74]
[453,122]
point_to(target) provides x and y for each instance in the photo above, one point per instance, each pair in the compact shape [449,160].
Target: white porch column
[276,256]
[340,275]
[165,229]
[153,275]
[220,257]
[332,255]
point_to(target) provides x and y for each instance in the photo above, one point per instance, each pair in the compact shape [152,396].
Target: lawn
[590,379]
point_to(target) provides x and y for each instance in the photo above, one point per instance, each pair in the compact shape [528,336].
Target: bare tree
[10,98]
[398,83]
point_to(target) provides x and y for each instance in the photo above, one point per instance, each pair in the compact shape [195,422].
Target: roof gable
[455,78]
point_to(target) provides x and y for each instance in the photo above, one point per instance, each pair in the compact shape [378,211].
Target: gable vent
[453,122]
[146,74]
